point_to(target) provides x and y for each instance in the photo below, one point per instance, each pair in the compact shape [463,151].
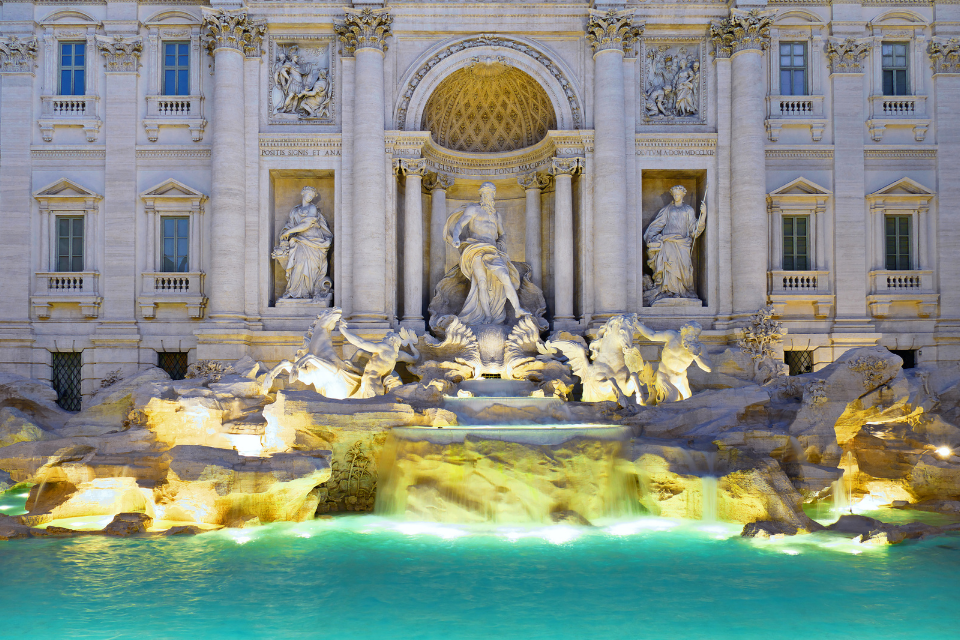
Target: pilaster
[413,171]
[437,184]
[847,59]
[563,170]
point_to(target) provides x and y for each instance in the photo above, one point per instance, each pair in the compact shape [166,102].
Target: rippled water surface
[363,577]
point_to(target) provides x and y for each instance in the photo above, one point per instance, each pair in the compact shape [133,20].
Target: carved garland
[485,40]
[17,55]
[945,55]
[742,31]
[120,54]
[847,56]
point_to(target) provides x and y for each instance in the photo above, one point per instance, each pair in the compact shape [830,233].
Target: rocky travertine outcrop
[36,399]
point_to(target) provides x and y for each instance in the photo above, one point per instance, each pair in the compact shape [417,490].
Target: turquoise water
[364,577]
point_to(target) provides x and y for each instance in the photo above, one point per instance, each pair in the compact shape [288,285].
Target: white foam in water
[709,499]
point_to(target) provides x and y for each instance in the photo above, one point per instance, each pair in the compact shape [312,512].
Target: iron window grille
[66,379]
[174,363]
[800,362]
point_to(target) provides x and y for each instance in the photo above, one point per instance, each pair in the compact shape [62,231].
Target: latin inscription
[299,152]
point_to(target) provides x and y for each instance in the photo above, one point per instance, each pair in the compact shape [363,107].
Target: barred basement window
[909,357]
[174,363]
[66,379]
[799,361]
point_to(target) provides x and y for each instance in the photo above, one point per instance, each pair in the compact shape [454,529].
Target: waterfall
[709,490]
[842,489]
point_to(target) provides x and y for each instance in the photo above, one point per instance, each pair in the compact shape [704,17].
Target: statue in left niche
[299,88]
[305,241]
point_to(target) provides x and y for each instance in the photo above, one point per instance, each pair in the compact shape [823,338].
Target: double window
[175,236]
[70,243]
[897,237]
[894,67]
[793,69]
[176,68]
[796,243]
[72,68]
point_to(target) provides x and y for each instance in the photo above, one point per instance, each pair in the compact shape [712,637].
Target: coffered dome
[488,107]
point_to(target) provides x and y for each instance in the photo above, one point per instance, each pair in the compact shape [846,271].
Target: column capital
[847,56]
[410,166]
[16,55]
[437,181]
[565,166]
[224,29]
[945,55]
[534,181]
[612,30]
[120,54]
[364,29]
[741,31]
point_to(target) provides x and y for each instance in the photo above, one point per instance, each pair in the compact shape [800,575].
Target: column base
[417,325]
[370,321]
[569,324]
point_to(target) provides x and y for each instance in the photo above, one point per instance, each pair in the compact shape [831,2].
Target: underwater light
[791,552]
[944,451]
[6,506]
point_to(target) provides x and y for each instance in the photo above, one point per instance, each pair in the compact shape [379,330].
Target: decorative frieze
[364,29]
[612,30]
[945,55]
[847,56]
[741,31]
[16,55]
[301,82]
[232,30]
[120,54]
[673,87]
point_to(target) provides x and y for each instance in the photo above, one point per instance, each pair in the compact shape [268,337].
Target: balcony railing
[174,111]
[69,106]
[794,107]
[799,282]
[898,106]
[172,288]
[906,282]
[889,287]
[67,283]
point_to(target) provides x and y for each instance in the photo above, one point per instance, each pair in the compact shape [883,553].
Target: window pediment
[65,192]
[799,193]
[173,195]
[904,192]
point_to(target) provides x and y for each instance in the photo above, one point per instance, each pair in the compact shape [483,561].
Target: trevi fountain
[548,441]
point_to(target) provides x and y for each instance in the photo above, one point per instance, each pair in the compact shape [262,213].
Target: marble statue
[494,280]
[605,374]
[304,242]
[298,88]
[680,350]
[669,239]
[378,376]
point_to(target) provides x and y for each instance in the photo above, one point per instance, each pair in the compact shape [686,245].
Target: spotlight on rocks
[944,452]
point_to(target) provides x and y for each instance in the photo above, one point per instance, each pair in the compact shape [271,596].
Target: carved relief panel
[301,80]
[673,81]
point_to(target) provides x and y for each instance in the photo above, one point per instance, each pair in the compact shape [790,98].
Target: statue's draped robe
[669,249]
[307,261]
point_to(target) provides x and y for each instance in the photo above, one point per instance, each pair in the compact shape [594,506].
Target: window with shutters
[69,243]
[796,243]
[897,237]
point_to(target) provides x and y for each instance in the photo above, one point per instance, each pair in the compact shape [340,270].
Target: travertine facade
[152,154]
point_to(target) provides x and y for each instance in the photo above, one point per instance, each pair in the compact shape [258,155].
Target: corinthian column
[743,37]
[609,33]
[945,55]
[437,184]
[363,34]
[226,34]
[563,253]
[413,171]
[849,186]
[533,184]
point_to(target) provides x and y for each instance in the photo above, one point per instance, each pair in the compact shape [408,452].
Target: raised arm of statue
[650,334]
[703,362]
[701,220]
[356,341]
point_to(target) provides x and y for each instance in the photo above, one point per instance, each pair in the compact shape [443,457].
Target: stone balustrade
[174,111]
[794,106]
[172,288]
[799,282]
[69,111]
[72,287]
[889,287]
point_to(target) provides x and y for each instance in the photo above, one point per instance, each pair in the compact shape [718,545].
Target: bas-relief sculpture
[300,88]
[672,87]
[305,241]
[669,241]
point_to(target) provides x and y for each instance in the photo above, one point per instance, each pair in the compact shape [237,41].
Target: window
[176,68]
[909,357]
[66,379]
[72,64]
[897,234]
[176,244]
[793,69]
[796,243]
[894,65]
[69,243]
[799,362]
[174,363]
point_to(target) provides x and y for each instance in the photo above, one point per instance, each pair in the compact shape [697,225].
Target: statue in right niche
[670,239]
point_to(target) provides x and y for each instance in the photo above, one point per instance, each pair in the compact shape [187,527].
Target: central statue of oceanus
[485,287]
